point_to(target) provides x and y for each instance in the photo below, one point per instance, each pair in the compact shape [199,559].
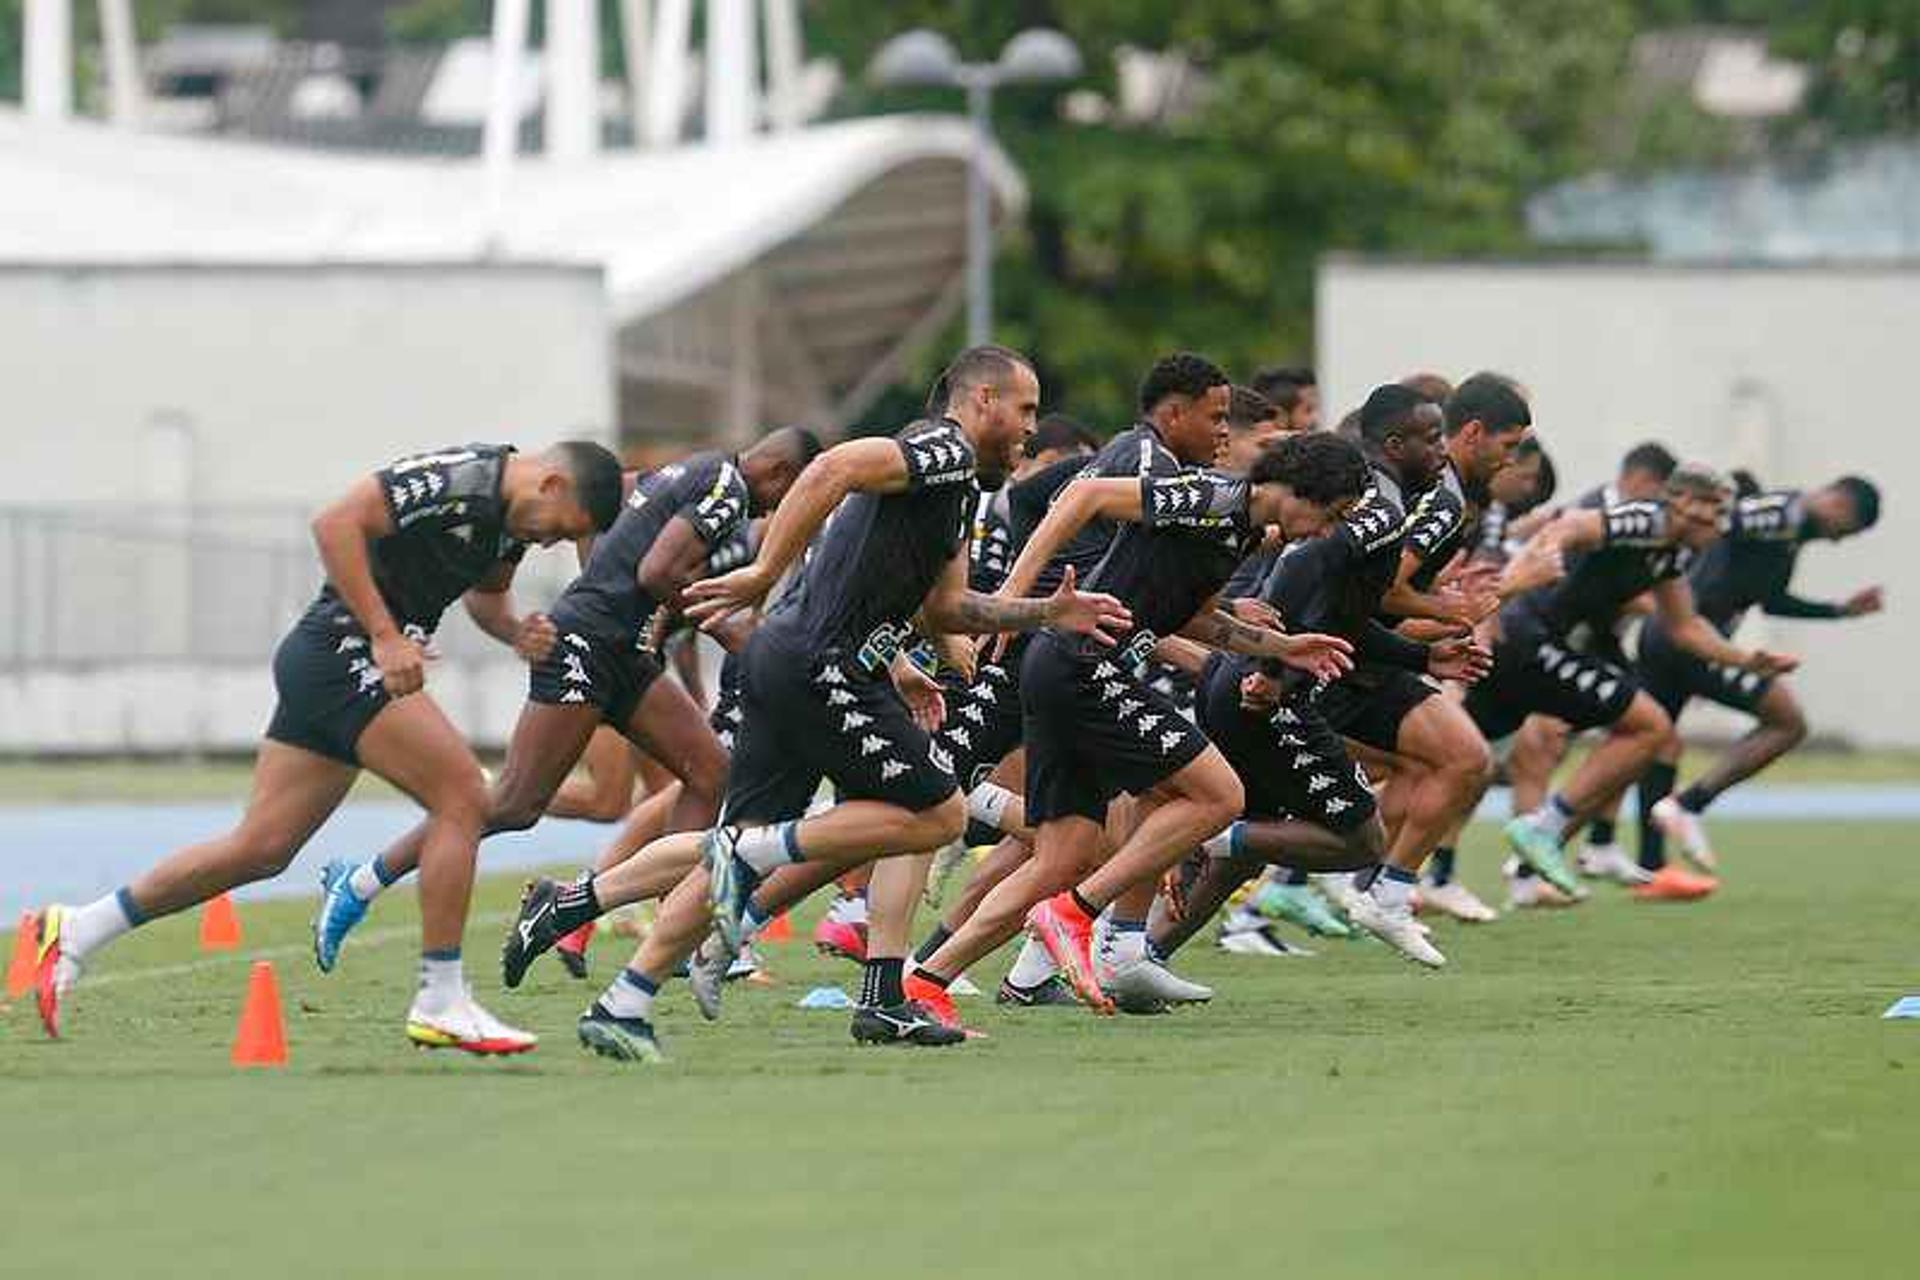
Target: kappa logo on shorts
[725,739]
[891,769]
[1169,740]
[1608,689]
[1304,760]
[1586,679]
[1292,740]
[1105,671]
[974,713]
[734,715]
[873,744]
[941,759]
[830,675]
[351,644]
[1129,706]
[573,695]
[577,640]
[1317,783]
[840,698]
[1149,723]
[575,673]
[855,720]
[1285,715]
[960,735]
[1336,805]
[1111,690]
[986,694]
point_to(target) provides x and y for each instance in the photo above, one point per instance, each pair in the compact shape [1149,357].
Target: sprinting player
[818,701]
[602,670]
[1614,554]
[1295,392]
[398,547]
[1253,423]
[1095,729]
[1751,567]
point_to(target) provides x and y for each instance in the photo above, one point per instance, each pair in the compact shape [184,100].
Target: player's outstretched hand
[1086,613]
[1460,659]
[1863,602]
[1322,657]
[1256,612]
[1766,663]
[402,663]
[921,692]
[535,638]
[712,601]
[1534,565]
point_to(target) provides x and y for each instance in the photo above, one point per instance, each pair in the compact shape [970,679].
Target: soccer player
[398,547]
[1751,567]
[818,701]
[1295,392]
[1615,554]
[602,669]
[1095,729]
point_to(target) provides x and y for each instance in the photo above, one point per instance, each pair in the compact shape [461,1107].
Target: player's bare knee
[943,823]
[1789,722]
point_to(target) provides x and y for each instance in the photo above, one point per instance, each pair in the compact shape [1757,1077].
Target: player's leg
[603,789]
[294,791]
[414,746]
[1779,727]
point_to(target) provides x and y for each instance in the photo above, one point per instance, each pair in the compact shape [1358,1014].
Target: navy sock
[1440,865]
[1695,799]
[1655,785]
[935,940]
[1600,831]
[128,907]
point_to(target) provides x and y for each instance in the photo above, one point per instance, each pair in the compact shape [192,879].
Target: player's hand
[1322,657]
[959,654]
[535,638]
[1861,603]
[1765,663]
[402,662]
[1259,692]
[713,600]
[1086,613]
[1460,659]
[1256,612]
[921,692]
[1537,564]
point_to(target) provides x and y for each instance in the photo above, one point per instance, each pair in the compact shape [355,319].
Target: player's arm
[874,465]
[1079,504]
[1325,657]
[342,532]
[676,559]
[1673,599]
[1182,655]
[951,607]
[489,602]
[1784,604]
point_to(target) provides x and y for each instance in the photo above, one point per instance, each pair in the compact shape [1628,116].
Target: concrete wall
[250,396]
[1799,373]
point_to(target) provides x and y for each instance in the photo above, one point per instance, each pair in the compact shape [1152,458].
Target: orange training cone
[219,926]
[261,1040]
[779,929]
[20,968]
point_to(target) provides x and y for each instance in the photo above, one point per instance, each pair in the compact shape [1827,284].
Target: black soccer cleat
[574,962]
[622,1039]
[1053,992]
[533,931]
[904,1023]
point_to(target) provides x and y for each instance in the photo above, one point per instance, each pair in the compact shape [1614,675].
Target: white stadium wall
[250,395]
[1801,374]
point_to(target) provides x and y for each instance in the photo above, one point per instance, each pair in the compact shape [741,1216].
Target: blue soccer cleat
[340,910]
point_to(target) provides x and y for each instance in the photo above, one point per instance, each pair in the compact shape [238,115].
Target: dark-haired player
[1751,567]
[818,700]
[601,668]
[1614,555]
[399,547]
[1095,729]
[1294,391]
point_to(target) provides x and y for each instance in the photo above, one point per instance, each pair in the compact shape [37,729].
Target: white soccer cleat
[461,1023]
[1395,926]
[1261,939]
[1147,986]
[962,986]
[1525,892]
[1337,888]
[1687,831]
[1610,862]
[1456,900]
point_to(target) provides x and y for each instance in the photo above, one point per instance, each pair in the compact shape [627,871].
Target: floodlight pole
[979,82]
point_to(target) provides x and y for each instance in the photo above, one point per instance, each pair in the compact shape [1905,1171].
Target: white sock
[988,803]
[85,929]
[442,981]
[1390,892]
[1125,946]
[764,848]
[849,908]
[365,880]
[629,995]
[1031,967]
[1220,844]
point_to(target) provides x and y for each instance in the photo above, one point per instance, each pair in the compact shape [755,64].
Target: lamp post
[926,58]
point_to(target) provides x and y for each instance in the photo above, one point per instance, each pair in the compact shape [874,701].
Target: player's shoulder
[1636,523]
[1375,521]
[1773,516]
[937,450]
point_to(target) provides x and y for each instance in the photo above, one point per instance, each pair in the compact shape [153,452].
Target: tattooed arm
[950,606]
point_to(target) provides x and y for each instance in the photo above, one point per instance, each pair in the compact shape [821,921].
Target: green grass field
[1623,1090]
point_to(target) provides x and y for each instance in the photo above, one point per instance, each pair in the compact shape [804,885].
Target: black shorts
[328,687]
[1290,761]
[727,715]
[983,722]
[587,668]
[1370,703]
[1672,676]
[1094,730]
[1544,677]
[812,715]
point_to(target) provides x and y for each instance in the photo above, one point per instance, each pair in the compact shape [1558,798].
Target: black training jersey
[1440,522]
[880,554]
[449,531]
[1245,580]
[1333,583]
[1137,451]
[1753,563]
[991,552]
[1194,530]
[706,490]
[1637,552]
